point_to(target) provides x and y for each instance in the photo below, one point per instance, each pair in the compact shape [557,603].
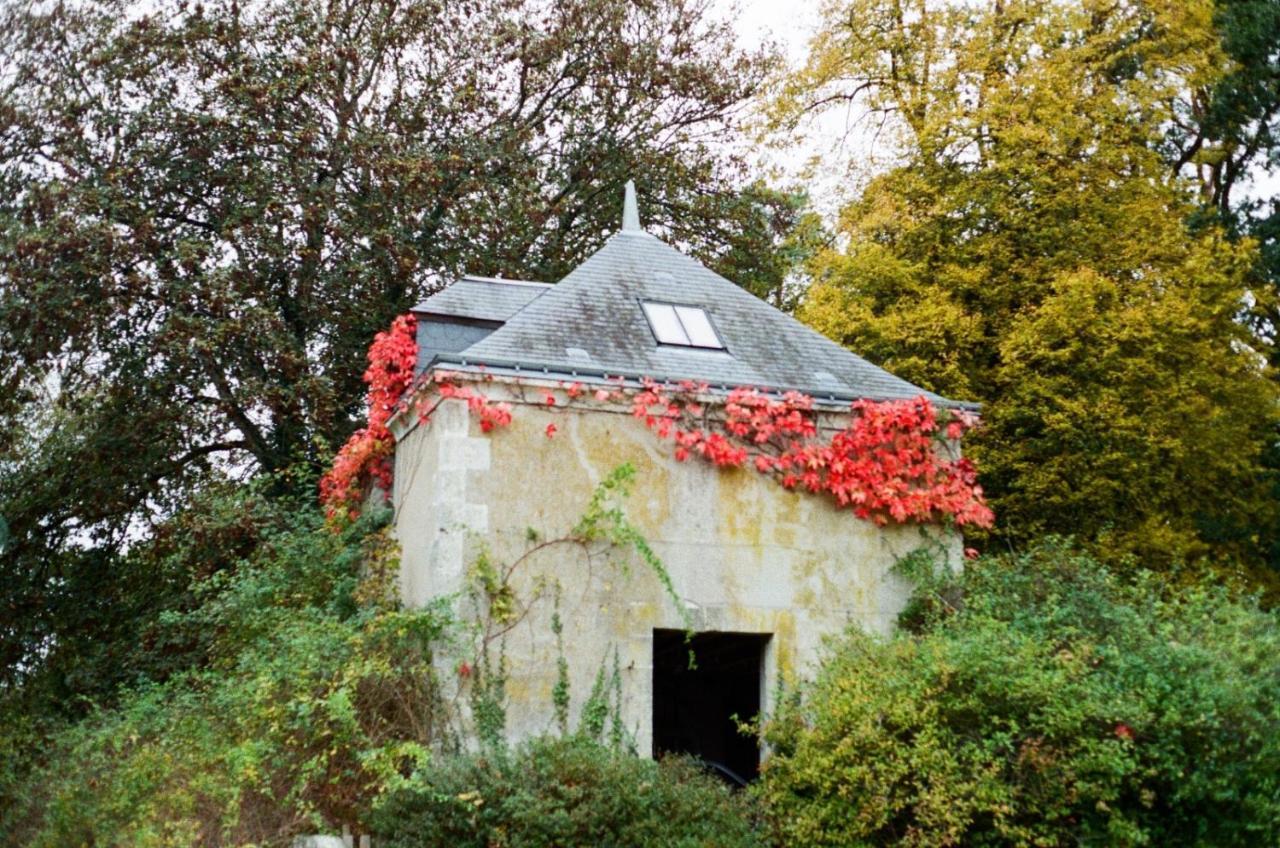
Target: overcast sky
[789,24]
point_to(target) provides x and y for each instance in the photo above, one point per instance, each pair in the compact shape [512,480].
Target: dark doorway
[693,708]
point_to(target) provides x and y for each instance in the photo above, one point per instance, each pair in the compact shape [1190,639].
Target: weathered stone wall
[744,554]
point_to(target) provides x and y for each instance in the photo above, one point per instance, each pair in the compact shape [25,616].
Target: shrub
[555,792]
[317,695]
[1042,702]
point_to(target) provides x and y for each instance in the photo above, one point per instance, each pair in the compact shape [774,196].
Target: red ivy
[365,459]
[890,463]
[490,414]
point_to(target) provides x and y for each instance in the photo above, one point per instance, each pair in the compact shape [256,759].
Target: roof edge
[564,371]
[503,281]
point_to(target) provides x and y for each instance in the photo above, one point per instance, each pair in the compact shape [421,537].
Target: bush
[1042,702]
[560,793]
[316,696]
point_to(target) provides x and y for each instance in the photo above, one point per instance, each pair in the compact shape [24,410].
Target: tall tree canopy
[1040,245]
[207,209]
[1227,133]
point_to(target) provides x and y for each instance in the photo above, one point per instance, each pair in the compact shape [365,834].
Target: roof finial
[630,212]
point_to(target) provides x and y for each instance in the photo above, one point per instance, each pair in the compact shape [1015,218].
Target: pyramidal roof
[593,323]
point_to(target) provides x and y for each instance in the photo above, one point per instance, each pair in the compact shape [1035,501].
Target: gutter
[587,373]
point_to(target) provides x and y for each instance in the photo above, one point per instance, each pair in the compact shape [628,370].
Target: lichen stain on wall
[744,554]
[557,476]
[741,519]
[817,587]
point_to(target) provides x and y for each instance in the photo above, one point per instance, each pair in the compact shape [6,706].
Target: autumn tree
[1225,134]
[208,209]
[1034,247]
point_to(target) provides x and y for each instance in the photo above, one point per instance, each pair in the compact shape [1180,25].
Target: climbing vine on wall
[505,595]
[365,459]
[892,462]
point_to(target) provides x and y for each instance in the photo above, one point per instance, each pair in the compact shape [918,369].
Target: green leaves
[310,705]
[207,210]
[573,791]
[1054,704]
[1034,249]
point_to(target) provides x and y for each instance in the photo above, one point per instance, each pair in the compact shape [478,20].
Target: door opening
[694,708]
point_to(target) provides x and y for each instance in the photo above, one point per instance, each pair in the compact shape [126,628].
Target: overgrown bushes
[1041,703]
[564,792]
[1032,700]
[315,696]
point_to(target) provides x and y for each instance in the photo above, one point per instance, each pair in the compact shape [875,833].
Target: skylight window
[687,326]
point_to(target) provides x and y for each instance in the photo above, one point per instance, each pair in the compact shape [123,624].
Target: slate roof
[592,323]
[483,298]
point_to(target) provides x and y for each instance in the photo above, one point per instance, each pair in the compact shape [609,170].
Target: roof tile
[596,308]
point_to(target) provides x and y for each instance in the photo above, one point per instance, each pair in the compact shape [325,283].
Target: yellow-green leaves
[1033,249]
[1058,705]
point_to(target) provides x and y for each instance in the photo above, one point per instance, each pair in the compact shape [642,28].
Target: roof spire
[630,212]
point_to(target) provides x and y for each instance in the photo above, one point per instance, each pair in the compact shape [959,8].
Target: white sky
[790,24]
[787,22]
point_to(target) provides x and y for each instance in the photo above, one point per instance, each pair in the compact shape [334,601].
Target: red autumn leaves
[365,459]
[489,414]
[891,463]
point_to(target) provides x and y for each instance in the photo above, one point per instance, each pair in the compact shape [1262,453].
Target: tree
[1225,133]
[768,237]
[318,694]
[1227,125]
[206,212]
[1033,249]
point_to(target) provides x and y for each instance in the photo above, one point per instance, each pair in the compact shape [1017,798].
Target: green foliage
[309,706]
[208,209]
[296,692]
[84,624]
[1228,135]
[565,792]
[595,710]
[491,587]
[619,738]
[603,708]
[1050,704]
[1033,250]
[489,698]
[605,520]
[560,691]
[769,236]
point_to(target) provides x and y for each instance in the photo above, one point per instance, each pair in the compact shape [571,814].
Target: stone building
[761,574]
